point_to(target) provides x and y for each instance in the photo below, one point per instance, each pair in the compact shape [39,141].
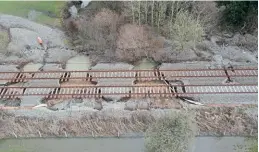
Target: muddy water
[202,144]
[145,64]
[78,63]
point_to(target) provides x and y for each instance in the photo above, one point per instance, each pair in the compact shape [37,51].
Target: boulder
[98,106]
[235,53]
[64,105]
[52,67]
[143,105]
[30,100]
[131,105]
[13,59]
[78,63]
[20,38]
[84,3]
[34,55]
[55,36]
[73,11]
[31,67]
[59,54]
[8,68]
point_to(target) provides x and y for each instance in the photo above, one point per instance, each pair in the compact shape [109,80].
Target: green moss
[48,20]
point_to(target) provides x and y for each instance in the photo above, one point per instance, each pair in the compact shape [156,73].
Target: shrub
[171,133]
[135,42]
[186,31]
[241,14]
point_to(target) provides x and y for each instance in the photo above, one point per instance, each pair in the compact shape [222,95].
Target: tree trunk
[139,14]
[152,14]
[146,9]
[132,8]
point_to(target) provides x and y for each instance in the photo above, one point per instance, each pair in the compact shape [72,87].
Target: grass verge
[22,8]
[210,121]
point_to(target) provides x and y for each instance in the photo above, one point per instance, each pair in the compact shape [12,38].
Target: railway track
[126,91]
[139,74]
[16,83]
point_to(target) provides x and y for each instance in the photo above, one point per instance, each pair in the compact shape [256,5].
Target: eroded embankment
[210,121]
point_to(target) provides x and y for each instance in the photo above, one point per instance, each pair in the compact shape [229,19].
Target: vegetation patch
[50,10]
[172,133]
[210,121]
[4,39]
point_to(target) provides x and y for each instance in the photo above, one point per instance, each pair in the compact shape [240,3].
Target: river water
[202,144]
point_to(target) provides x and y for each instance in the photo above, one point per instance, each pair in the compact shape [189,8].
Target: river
[202,144]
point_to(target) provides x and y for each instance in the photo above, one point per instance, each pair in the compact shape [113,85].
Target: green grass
[22,8]
[4,39]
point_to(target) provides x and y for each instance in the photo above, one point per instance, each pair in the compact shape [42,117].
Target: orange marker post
[40,41]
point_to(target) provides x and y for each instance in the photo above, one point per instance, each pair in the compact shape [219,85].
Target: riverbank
[210,121]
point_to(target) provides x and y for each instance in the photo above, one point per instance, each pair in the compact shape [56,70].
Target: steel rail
[125,86]
[135,91]
[149,75]
[164,70]
[128,77]
[80,95]
[204,105]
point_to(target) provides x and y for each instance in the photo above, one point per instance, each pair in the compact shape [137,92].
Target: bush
[241,14]
[170,134]
[186,32]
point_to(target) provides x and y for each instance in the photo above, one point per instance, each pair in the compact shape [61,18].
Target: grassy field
[22,8]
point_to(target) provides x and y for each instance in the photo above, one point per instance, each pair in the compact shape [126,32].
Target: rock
[185,65]
[90,103]
[218,59]
[130,105]
[10,102]
[84,3]
[35,55]
[20,38]
[13,59]
[227,35]
[173,55]
[98,106]
[8,68]
[113,105]
[59,55]
[234,53]
[31,67]
[64,105]
[30,100]
[143,105]
[78,63]
[73,11]
[110,66]
[52,67]
[55,36]
[250,42]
